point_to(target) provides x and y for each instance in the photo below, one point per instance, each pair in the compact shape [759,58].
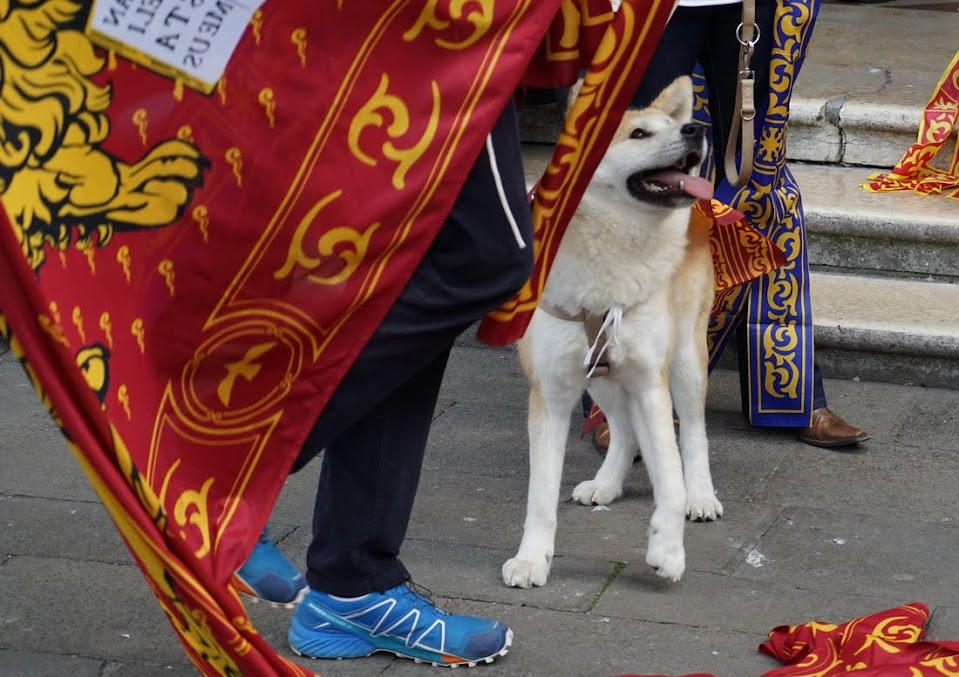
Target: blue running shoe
[400,621]
[268,575]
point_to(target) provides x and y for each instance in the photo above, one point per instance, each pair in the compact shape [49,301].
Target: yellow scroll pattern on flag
[914,171]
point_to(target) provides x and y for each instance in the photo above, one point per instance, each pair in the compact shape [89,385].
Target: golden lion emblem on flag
[58,185]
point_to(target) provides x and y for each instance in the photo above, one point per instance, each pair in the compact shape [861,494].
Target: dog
[631,262]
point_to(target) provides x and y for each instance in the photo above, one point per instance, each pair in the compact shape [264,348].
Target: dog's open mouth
[669,183]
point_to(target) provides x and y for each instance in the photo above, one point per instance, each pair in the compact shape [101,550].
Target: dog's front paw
[592,492]
[703,508]
[665,554]
[522,573]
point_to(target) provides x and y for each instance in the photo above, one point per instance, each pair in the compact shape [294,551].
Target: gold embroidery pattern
[298,38]
[771,203]
[479,16]
[566,46]
[343,243]
[373,114]
[266,100]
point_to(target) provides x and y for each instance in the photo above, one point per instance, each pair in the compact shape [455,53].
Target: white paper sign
[195,38]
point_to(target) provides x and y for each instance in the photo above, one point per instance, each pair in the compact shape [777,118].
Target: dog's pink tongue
[694,186]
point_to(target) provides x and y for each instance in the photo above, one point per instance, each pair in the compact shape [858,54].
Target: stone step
[839,131]
[897,234]
[869,72]
[888,330]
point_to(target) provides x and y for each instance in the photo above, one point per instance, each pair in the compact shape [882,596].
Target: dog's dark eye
[638,133]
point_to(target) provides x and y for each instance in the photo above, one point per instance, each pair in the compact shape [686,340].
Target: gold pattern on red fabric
[939,118]
[187,277]
[889,643]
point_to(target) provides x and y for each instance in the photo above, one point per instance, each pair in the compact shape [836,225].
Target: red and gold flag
[740,252]
[886,644]
[188,271]
[570,43]
[914,171]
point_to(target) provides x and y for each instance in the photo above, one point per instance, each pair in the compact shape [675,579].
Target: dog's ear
[677,99]
[573,93]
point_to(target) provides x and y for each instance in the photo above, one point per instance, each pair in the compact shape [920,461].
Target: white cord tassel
[613,321]
[502,193]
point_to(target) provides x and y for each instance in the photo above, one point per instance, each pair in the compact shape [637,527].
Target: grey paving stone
[130,669]
[295,503]
[474,373]
[470,508]
[66,529]
[113,615]
[831,551]
[590,645]
[456,570]
[34,458]
[880,476]
[933,425]
[713,600]
[461,572]
[15,663]
[585,645]
[944,624]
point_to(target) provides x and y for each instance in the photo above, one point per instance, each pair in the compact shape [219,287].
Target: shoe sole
[300,596]
[435,664]
[833,444]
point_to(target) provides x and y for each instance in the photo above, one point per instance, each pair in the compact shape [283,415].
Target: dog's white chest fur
[604,261]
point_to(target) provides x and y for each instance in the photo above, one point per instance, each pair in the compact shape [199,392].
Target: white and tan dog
[630,259]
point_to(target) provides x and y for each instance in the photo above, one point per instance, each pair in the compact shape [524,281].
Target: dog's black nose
[691,130]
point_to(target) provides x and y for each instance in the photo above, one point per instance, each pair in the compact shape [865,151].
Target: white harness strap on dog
[612,321]
[603,328]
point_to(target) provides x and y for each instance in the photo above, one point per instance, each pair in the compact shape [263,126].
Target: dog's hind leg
[650,409]
[548,431]
[607,486]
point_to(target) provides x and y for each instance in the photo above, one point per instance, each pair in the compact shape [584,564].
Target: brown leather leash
[744,112]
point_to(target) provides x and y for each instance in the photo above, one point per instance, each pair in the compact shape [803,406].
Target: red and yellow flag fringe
[914,171]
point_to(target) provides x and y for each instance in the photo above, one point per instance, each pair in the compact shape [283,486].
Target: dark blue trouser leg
[375,427]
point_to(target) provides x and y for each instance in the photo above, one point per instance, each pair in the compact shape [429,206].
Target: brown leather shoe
[828,430]
[601,441]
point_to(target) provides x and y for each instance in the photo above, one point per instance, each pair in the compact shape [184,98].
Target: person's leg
[676,54]
[819,390]
[473,266]
[720,63]
[375,427]
[367,485]
[721,69]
